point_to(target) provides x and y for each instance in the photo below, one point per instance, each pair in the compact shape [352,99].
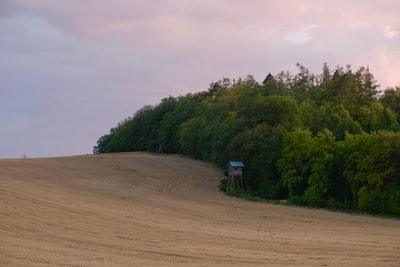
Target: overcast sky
[70,70]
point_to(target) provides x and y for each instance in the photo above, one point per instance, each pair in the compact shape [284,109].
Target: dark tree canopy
[328,140]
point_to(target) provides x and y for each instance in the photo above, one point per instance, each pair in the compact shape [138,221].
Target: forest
[327,140]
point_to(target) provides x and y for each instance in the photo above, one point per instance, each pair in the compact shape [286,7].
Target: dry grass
[138,209]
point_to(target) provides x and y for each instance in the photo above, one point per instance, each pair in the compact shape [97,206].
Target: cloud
[390,32]
[300,36]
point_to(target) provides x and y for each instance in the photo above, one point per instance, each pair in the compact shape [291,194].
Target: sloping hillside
[139,209]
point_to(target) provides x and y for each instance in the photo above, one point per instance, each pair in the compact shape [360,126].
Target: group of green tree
[323,140]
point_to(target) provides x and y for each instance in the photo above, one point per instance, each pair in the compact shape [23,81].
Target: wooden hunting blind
[235,172]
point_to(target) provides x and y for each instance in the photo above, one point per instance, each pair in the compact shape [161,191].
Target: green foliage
[322,156]
[372,167]
[321,140]
[223,185]
[294,163]
[391,101]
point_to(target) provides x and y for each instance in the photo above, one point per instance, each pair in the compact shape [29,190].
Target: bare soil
[139,209]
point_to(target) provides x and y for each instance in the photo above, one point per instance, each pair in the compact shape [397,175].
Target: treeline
[326,140]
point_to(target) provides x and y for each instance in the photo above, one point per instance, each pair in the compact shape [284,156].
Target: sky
[70,70]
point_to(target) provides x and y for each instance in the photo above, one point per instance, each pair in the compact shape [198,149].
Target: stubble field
[140,209]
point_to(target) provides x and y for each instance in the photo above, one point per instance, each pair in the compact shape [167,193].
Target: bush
[223,184]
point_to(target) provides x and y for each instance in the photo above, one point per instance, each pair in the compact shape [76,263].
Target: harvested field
[139,209]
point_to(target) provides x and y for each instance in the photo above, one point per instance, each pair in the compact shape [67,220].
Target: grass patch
[124,169]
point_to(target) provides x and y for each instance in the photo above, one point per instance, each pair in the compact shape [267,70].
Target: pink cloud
[222,29]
